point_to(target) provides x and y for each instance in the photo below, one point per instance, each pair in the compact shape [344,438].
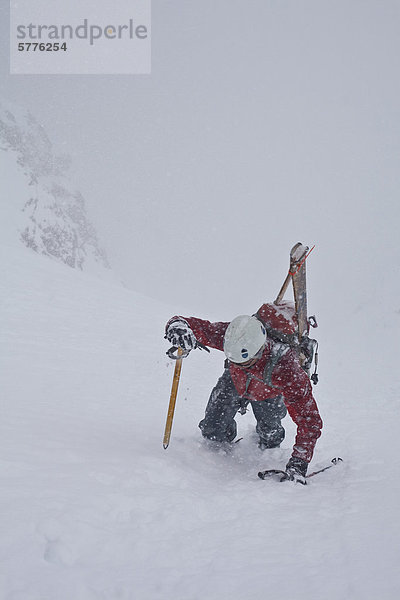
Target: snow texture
[92,506]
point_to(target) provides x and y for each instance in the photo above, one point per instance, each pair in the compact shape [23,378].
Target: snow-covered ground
[93,508]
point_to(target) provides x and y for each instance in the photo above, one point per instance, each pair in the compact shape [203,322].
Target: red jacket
[286,378]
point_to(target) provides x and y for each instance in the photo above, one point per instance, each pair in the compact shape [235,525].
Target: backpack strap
[278,350]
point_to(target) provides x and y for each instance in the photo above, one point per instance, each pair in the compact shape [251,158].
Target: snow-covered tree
[56,222]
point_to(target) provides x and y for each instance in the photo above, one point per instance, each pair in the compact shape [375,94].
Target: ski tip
[165,446]
[298,251]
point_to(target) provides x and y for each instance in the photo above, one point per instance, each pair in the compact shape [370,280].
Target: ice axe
[178,355]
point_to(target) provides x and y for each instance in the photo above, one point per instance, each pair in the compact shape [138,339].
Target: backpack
[280,323]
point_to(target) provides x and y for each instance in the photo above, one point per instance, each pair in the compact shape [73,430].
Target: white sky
[263,123]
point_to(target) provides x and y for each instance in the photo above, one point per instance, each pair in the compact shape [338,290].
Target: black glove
[296,470]
[180,335]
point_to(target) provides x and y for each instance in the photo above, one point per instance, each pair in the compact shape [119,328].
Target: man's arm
[207,333]
[302,408]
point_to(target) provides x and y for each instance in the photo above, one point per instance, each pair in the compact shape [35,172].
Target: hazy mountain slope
[54,220]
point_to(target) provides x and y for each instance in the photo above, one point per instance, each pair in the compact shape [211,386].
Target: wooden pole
[172,401]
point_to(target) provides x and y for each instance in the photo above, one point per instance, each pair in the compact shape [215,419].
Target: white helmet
[244,338]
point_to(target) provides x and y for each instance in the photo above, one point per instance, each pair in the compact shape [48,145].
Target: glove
[180,335]
[296,470]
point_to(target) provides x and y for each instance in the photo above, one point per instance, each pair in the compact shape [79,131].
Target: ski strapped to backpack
[306,346]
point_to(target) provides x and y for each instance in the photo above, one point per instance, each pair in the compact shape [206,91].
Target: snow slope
[93,507]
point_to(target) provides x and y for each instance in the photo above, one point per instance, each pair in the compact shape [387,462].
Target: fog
[263,123]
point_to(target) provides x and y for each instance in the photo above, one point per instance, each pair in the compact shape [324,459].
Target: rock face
[56,222]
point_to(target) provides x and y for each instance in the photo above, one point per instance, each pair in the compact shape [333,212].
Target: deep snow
[93,507]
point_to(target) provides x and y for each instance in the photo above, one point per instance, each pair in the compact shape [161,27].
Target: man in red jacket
[262,369]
